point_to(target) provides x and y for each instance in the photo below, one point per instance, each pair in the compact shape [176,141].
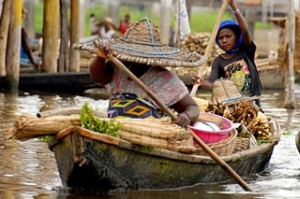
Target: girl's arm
[241,21]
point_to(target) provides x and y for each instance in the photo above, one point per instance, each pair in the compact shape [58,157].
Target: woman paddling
[142,51]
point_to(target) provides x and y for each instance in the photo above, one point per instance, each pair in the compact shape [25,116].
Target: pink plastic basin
[214,136]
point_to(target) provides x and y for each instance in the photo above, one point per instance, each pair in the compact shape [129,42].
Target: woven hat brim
[155,55]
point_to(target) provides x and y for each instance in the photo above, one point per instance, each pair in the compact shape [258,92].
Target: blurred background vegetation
[199,21]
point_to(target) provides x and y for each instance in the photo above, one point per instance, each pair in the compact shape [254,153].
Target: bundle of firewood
[197,42]
[243,112]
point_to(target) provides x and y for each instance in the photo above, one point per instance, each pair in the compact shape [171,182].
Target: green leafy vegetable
[92,122]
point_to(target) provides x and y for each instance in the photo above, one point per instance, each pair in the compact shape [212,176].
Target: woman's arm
[188,111]
[101,71]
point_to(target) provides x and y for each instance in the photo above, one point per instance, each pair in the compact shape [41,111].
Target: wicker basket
[244,143]
[224,147]
[241,143]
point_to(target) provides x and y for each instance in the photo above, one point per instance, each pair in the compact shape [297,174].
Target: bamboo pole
[13,47]
[50,36]
[209,151]
[176,39]
[290,91]
[74,58]
[29,19]
[64,36]
[165,16]
[4,28]
[203,69]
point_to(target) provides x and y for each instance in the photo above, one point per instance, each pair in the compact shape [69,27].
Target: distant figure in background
[124,25]
[26,54]
[94,28]
[107,28]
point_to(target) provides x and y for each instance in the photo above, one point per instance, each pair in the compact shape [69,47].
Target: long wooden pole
[203,69]
[30,17]
[290,91]
[13,47]
[4,28]
[64,37]
[50,36]
[176,39]
[74,58]
[210,152]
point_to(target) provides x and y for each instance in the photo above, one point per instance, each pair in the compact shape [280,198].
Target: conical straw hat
[142,44]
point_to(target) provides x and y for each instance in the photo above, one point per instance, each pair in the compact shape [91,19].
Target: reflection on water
[28,169]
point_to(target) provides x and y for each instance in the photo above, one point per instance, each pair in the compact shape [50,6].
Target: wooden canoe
[91,160]
[297,141]
[69,81]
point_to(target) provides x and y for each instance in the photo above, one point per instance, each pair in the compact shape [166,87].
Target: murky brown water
[28,169]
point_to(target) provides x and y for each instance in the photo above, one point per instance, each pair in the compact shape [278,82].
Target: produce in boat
[141,153]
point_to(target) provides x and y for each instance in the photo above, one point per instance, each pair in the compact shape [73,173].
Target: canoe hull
[70,82]
[91,164]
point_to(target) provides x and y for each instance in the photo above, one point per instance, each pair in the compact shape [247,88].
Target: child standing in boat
[237,61]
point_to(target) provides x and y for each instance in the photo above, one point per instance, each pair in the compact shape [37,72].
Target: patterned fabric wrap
[133,106]
[166,85]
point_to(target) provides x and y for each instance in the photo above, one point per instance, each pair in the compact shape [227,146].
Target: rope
[175,50]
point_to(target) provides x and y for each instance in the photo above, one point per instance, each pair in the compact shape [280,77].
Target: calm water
[28,169]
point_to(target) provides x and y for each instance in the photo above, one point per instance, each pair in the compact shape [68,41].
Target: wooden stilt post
[50,36]
[13,50]
[75,36]
[4,28]
[290,87]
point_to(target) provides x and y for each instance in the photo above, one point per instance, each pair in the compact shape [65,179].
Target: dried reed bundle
[185,146]
[28,126]
[175,134]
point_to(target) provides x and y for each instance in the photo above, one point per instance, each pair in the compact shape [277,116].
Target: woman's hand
[183,120]
[104,48]
[102,54]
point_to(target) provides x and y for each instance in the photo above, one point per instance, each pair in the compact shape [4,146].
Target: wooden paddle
[210,152]
[203,70]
